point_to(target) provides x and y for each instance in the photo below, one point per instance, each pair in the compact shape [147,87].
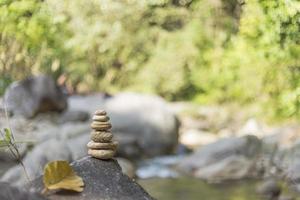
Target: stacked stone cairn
[101,145]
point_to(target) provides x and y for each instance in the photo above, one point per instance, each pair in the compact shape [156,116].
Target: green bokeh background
[204,51]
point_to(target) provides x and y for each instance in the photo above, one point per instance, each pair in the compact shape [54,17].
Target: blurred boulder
[6,155]
[102,179]
[127,167]
[269,189]
[88,103]
[287,161]
[8,192]
[63,144]
[77,146]
[35,161]
[286,197]
[128,146]
[74,116]
[146,118]
[34,95]
[229,158]
[252,127]
[194,138]
[285,136]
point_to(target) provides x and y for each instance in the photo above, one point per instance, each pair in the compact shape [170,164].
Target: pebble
[100,112]
[100,136]
[103,127]
[97,145]
[100,118]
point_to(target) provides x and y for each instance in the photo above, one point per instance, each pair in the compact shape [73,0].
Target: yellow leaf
[60,175]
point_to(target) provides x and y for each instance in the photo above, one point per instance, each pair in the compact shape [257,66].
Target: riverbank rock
[226,159]
[194,138]
[146,118]
[269,189]
[34,95]
[288,162]
[102,179]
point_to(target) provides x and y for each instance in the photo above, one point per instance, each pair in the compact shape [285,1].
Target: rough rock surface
[34,95]
[147,118]
[102,179]
[8,192]
[230,158]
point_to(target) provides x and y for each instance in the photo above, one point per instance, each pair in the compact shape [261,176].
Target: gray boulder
[74,116]
[269,189]
[145,118]
[35,161]
[290,165]
[102,179]
[8,192]
[128,167]
[229,158]
[60,148]
[34,95]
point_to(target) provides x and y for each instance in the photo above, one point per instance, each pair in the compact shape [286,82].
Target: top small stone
[100,112]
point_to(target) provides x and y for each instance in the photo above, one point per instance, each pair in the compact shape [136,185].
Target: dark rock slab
[103,180]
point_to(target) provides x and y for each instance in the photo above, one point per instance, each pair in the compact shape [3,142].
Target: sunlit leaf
[60,175]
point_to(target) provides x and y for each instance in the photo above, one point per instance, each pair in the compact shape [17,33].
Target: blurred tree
[208,51]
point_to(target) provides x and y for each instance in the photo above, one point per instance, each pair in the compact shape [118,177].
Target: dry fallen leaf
[60,175]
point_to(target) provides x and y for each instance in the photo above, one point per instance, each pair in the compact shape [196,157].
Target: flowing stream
[187,188]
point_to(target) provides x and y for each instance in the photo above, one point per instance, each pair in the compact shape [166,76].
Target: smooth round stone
[100,112]
[101,136]
[100,118]
[101,154]
[97,145]
[101,125]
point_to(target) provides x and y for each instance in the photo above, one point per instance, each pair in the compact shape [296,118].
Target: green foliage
[206,51]
[30,39]
[261,62]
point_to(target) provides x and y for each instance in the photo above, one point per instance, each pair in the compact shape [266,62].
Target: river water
[187,188]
